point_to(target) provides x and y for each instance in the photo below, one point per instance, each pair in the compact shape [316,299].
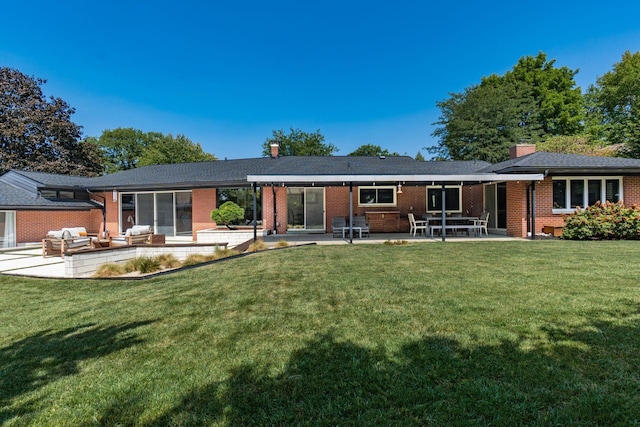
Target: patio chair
[338,223]
[66,240]
[361,222]
[482,223]
[416,225]
[136,235]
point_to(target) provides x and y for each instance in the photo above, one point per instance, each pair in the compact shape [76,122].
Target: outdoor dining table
[454,223]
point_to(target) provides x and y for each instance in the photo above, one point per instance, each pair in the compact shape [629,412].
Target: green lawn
[473,333]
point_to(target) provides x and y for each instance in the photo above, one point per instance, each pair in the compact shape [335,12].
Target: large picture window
[453,199]
[571,192]
[242,197]
[377,196]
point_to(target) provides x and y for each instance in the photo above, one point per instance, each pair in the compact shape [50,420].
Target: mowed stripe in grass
[466,333]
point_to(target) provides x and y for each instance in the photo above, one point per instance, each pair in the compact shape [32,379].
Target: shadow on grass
[585,376]
[48,356]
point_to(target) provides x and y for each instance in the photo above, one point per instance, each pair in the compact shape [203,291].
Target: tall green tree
[128,148]
[559,102]
[122,148]
[299,143]
[531,102]
[484,121]
[372,150]
[614,101]
[167,149]
[36,132]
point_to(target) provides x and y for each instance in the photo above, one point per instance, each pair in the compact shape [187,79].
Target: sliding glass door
[7,229]
[305,209]
[169,213]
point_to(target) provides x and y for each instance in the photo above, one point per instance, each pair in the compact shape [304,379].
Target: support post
[444,213]
[255,212]
[351,212]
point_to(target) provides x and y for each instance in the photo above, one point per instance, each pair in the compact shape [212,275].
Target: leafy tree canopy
[37,133]
[531,102]
[576,144]
[614,103]
[372,150]
[166,149]
[299,143]
[128,148]
[419,157]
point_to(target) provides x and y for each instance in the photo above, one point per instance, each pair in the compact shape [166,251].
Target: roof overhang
[420,179]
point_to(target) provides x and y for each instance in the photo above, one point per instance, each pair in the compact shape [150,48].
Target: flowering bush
[604,221]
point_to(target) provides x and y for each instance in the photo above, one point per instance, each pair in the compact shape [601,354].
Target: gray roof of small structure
[12,197]
[557,163]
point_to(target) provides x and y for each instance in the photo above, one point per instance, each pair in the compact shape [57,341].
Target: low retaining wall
[85,263]
[232,237]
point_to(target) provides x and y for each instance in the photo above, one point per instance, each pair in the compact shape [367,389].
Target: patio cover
[368,179]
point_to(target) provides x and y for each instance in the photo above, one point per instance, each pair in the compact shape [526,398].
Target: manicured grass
[474,333]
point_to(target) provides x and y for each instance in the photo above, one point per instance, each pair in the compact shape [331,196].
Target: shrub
[258,245]
[142,264]
[168,261]
[109,270]
[281,244]
[603,221]
[223,253]
[194,259]
[227,213]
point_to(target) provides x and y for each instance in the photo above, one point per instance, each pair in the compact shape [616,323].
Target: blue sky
[226,74]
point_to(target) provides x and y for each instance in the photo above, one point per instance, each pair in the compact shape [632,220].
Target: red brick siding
[517,204]
[204,201]
[32,226]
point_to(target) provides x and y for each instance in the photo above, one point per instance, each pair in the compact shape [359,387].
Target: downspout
[533,210]
[444,214]
[275,210]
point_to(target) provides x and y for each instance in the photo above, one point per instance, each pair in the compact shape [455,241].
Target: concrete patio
[28,260]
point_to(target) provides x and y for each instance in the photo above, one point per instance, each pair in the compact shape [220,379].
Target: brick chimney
[520,150]
[275,149]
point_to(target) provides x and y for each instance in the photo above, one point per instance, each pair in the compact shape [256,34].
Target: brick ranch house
[302,194]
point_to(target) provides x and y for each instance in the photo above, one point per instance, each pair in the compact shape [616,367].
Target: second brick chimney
[520,150]
[275,149]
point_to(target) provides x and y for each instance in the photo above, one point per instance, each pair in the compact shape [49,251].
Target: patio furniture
[417,224]
[338,224]
[69,239]
[136,235]
[482,223]
[361,223]
[455,224]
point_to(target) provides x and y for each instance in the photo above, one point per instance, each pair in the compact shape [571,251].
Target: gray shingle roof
[565,163]
[12,197]
[183,175]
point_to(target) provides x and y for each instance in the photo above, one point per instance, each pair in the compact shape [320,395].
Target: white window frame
[379,187]
[586,179]
[439,188]
[9,239]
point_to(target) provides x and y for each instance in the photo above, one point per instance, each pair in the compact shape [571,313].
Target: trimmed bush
[603,221]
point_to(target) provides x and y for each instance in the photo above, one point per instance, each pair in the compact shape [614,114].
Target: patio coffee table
[346,230]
